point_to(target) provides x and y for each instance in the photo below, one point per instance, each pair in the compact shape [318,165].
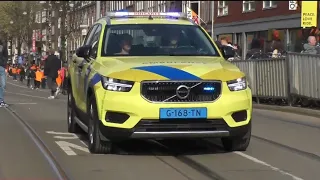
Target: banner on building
[192,15]
[309,13]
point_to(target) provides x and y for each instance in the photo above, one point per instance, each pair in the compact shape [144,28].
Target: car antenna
[150,17]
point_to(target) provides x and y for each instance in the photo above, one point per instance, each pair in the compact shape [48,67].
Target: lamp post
[28,29]
[68,29]
[11,49]
[41,26]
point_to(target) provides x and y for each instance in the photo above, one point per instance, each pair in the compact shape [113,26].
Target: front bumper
[146,129]
[143,117]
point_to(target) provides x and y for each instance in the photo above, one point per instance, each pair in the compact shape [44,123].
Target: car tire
[237,143]
[96,145]
[73,127]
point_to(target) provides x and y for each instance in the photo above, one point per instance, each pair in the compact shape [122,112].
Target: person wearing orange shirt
[59,82]
[38,79]
[14,73]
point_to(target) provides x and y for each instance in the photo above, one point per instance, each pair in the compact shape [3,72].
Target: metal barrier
[268,78]
[295,75]
[304,75]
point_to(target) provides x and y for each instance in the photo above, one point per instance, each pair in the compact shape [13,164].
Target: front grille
[146,125]
[165,91]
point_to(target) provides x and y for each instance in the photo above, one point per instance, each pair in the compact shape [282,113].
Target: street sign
[293,5]
[309,13]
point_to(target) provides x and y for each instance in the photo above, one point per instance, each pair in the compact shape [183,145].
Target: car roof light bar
[145,14]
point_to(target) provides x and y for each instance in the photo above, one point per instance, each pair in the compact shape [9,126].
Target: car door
[86,70]
[78,63]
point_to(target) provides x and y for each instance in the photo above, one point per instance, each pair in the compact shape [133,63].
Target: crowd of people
[52,74]
[35,78]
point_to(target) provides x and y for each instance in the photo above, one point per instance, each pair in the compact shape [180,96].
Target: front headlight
[116,84]
[237,84]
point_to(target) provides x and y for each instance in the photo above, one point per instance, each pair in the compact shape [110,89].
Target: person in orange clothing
[33,67]
[59,82]
[14,72]
[38,79]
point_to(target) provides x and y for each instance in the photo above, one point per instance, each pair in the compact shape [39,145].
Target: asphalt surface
[283,146]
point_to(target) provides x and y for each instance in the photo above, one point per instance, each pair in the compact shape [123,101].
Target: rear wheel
[237,143]
[73,127]
[96,145]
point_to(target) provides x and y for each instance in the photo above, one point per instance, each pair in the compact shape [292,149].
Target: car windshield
[156,40]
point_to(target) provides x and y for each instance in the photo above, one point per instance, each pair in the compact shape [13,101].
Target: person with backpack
[3,76]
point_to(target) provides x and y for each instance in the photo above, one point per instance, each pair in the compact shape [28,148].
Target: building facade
[239,21]
[242,21]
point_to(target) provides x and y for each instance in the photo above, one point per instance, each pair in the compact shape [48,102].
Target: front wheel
[73,127]
[237,143]
[96,145]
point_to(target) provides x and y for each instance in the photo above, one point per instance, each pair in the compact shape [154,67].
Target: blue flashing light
[209,88]
[173,14]
[123,10]
[121,13]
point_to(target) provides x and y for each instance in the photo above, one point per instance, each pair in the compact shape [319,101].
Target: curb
[289,109]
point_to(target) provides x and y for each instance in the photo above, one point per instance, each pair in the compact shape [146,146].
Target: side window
[89,35]
[95,42]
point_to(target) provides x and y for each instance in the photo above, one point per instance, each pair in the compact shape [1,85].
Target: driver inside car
[174,39]
[125,44]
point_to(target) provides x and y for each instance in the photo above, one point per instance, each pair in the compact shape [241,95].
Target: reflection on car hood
[167,68]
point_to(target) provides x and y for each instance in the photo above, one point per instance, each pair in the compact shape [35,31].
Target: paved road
[284,146]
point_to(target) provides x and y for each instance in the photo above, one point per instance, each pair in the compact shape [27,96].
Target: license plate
[183,113]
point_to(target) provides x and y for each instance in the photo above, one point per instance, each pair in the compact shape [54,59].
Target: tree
[21,16]
[66,10]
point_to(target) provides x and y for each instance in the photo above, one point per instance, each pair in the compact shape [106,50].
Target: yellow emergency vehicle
[155,75]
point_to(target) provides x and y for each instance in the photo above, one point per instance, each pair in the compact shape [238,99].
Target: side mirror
[227,52]
[83,51]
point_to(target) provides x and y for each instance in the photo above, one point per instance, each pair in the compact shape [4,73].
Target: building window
[150,6]
[269,4]
[44,17]
[222,8]
[59,23]
[140,6]
[248,6]
[112,5]
[161,6]
[52,30]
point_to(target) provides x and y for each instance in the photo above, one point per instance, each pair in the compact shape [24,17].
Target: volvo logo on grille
[182,92]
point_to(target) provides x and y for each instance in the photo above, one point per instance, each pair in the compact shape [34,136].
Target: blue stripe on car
[169,72]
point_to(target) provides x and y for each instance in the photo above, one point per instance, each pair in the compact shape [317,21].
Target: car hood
[167,68]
